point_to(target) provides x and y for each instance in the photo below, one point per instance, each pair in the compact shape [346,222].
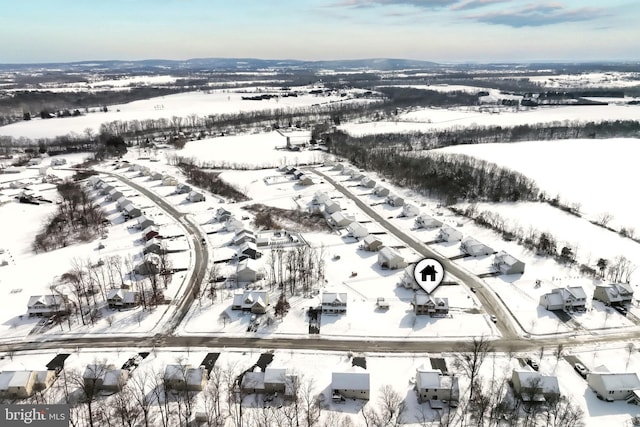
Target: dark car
[622,310]
[533,364]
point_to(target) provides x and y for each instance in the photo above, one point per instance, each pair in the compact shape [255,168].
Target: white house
[247,271]
[195,196]
[410,210]
[371,243]
[130,211]
[252,301]
[367,182]
[388,258]
[233,224]
[424,303]
[305,180]
[449,234]
[614,293]
[381,191]
[185,377]
[47,305]
[507,264]
[426,221]
[357,230]
[122,298]
[155,176]
[612,386]
[319,198]
[431,384]
[183,189]
[571,298]
[473,247]
[169,181]
[334,302]
[149,265]
[531,386]
[338,219]
[144,222]
[351,384]
[394,200]
[331,206]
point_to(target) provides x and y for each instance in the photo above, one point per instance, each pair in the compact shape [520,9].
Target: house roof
[554,298]
[275,375]
[248,246]
[20,378]
[355,379]
[388,254]
[423,299]
[113,377]
[428,378]
[371,239]
[248,264]
[357,228]
[505,258]
[332,297]
[548,383]
[5,378]
[248,299]
[47,300]
[618,381]
[253,380]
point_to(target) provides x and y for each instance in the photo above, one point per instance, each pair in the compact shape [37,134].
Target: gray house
[507,264]
[431,384]
[426,221]
[612,386]
[571,298]
[531,386]
[388,258]
[614,293]
[353,384]
[473,247]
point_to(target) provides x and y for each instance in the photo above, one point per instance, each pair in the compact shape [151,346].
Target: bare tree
[138,386]
[89,384]
[561,412]
[125,407]
[470,360]
[604,219]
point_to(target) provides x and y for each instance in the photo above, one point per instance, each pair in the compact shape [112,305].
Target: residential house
[252,382]
[150,232]
[337,167]
[93,180]
[247,271]
[426,221]
[352,384]
[122,202]
[371,243]
[357,176]
[339,220]
[381,191]
[106,188]
[334,302]
[614,293]
[93,376]
[17,384]
[195,196]
[144,222]
[130,211]
[357,230]
[122,298]
[248,250]
[431,384]
[424,303]
[408,281]
[298,174]
[243,236]
[331,206]
[449,234]
[277,380]
[612,386]
[222,215]
[185,377]
[114,380]
[394,200]
[571,298]
[252,301]
[388,258]
[367,182]
[155,176]
[473,247]
[114,194]
[410,210]
[233,224]
[47,305]
[531,386]
[507,264]
[154,246]
[150,264]
[169,181]
[183,189]
[305,180]
[319,198]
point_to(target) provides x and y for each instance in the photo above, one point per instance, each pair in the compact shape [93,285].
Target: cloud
[422,4]
[538,15]
[475,4]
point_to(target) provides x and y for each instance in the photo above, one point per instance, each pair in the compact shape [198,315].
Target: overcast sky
[435,30]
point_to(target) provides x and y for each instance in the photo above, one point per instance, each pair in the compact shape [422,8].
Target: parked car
[494,319]
[579,367]
[622,310]
[533,364]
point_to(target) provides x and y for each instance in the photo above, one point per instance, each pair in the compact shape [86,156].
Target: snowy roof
[20,378]
[504,258]
[46,300]
[388,254]
[113,377]
[350,380]
[195,375]
[175,372]
[248,264]
[528,377]
[5,378]
[370,239]
[618,381]
[423,299]
[275,375]
[428,378]
[253,380]
[332,297]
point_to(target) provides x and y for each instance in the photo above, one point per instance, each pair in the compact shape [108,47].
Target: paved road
[201,254]
[488,299]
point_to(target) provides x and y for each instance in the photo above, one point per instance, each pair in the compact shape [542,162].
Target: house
[144,222]
[122,202]
[93,376]
[410,210]
[155,176]
[114,194]
[252,383]
[305,180]
[183,189]
[367,182]
[388,258]
[298,174]
[614,293]
[381,191]
[17,384]
[130,211]
[431,384]
[571,298]
[114,379]
[371,243]
[168,180]
[195,196]
[248,250]
[531,386]
[426,221]
[122,298]
[339,220]
[150,265]
[276,380]
[150,232]
[337,167]
[58,162]
[424,303]
[393,200]
[247,271]
[222,215]
[408,281]
[243,236]
[185,377]
[319,198]
[449,234]
[334,302]
[106,188]
[252,301]
[471,246]
[233,224]
[47,305]
[357,176]
[94,180]
[352,384]
[507,264]
[382,304]
[357,230]
[331,206]
[612,386]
